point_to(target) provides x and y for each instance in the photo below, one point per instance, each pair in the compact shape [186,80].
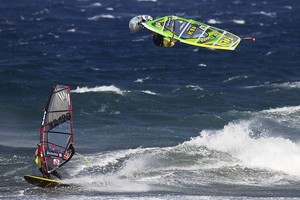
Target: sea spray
[264,152]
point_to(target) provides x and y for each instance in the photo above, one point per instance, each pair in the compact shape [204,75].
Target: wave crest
[262,152]
[110,88]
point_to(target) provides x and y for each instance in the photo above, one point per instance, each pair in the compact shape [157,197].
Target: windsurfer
[162,41]
[37,160]
[135,25]
[158,39]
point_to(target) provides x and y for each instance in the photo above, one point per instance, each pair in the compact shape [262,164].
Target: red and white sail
[56,133]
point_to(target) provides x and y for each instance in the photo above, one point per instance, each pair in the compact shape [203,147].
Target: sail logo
[51,153]
[227,40]
[60,120]
[192,30]
[56,161]
[64,96]
[66,156]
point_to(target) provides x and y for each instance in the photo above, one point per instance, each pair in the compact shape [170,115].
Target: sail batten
[59,111]
[57,132]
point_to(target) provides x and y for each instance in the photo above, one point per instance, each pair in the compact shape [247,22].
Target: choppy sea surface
[155,123]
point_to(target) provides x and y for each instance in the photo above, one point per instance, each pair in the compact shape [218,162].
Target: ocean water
[155,123]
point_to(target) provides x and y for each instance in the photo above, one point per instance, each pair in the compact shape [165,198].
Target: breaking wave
[110,88]
[263,152]
[288,85]
[239,21]
[96,17]
[285,85]
[149,92]
[242,152]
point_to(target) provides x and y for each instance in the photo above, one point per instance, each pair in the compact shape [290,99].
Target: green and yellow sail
[193,32]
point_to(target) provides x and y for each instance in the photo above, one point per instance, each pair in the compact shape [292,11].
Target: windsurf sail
[193,32]
[56,133]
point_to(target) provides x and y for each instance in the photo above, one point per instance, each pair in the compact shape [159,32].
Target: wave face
[155,123]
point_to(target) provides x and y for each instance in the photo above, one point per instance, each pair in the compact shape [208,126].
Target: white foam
[234,78]
[288,85]
[238,145]
[149,92]
[147,0]
[94,68]
[110,88]
[269,53]
[288,117]
[109,183]
[121,181]
[96,17]
[71,30]
[269,14]
[213,21]
[106,159]
[288,7]
[239,21]
[194,87]
[202,65]
[41,12]
[288,110]
[272,153]
[141,80]
[97,4]
[138,40]
[54,35]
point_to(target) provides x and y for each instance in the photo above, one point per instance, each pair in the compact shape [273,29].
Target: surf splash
[110,172]
[244,152]
[263,152]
